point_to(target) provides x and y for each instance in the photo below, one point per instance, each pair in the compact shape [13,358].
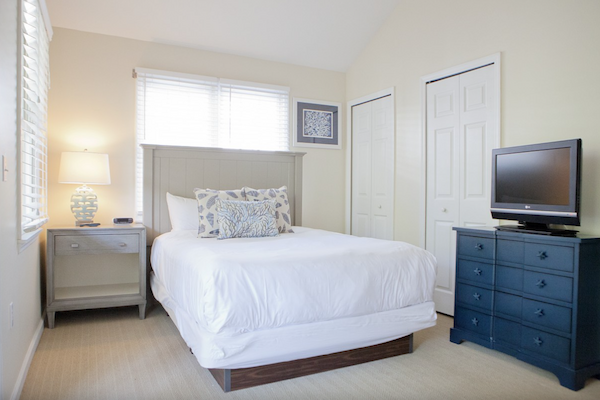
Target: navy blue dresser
[532,296]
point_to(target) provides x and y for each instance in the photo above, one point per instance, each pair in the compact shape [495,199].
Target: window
[34,82]
[191,110]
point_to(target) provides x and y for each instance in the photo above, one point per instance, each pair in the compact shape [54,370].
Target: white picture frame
[317,123]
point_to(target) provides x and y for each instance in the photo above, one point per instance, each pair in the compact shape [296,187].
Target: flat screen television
[537,185]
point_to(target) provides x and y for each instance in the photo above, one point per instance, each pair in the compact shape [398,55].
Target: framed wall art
[317,124]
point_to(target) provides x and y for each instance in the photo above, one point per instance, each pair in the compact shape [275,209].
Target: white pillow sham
[183,212]
[208,225]
[282,205]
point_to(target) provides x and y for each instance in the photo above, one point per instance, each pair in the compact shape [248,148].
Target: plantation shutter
[35,81]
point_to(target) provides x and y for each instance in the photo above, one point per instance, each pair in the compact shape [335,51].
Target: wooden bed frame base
[235,379]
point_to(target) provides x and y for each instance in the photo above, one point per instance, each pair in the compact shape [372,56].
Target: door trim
[352,103]
[458,69]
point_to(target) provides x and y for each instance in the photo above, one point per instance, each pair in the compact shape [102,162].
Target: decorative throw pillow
[183,212]
[282,205]
[207,208]
[244,219]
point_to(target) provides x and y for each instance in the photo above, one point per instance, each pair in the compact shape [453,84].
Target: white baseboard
[16,394]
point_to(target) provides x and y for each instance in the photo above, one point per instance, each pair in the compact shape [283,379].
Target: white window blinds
[34,84]
[190,110]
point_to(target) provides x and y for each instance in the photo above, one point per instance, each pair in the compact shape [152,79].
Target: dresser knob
[74,245]
[539,312]
[478,246]
[538,341]
[477,296]
[123,244]
[540,283]
[475,321]
[477,271]
[542,255]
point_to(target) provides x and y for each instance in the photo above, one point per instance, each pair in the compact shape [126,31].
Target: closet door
[461,116]
[373,169]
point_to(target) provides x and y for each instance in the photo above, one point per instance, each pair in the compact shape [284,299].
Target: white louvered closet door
[373,169]
[461,121]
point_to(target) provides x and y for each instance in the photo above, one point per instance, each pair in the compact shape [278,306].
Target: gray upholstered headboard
[178,170]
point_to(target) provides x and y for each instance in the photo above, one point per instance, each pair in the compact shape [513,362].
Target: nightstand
[95,267]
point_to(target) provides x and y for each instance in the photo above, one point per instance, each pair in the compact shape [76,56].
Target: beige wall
[550,90]
[19,268]
[92,105]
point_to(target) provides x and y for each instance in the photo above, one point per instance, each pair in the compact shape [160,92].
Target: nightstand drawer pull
[539,312]
[477,271]
[475,321]
[538,341]
[75,245]
[478,246]
[477,296]
[542,255]
[540,283]
[123,244]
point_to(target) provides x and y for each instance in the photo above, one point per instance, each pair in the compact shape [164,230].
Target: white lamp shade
[82,167]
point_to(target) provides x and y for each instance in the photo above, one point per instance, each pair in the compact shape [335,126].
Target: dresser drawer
[508,305]
[509,278]
[95,244]
[474,246]
[546,344]
[510,250]
[473,321]
[476,272]
[507,332]
[549,256]
[474,296]
[547,285]
[547,315]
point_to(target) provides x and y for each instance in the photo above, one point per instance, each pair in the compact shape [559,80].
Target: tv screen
[537,184]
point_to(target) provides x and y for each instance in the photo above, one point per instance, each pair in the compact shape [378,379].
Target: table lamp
[82,168]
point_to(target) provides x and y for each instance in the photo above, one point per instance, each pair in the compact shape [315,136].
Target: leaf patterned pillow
[282,205]
[245,219]
[207,208]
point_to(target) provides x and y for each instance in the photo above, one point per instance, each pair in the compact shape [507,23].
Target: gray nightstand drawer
[546,344]
[475,246]
[547,315]
[547,285]
[549,256]
[71,245]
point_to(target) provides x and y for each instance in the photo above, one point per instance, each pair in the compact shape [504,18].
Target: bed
[262,309]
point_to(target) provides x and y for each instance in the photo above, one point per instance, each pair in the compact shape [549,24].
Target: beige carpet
[111,354]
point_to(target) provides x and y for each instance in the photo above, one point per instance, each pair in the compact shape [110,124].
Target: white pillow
[282,205]
[183,212]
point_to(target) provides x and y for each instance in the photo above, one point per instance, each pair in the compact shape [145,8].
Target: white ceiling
[327,34]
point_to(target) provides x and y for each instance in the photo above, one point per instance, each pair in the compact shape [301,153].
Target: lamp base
[84,205]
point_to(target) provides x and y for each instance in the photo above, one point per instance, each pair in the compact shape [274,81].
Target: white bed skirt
[288,343]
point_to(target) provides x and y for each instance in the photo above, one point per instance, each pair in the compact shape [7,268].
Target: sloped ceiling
[327,34]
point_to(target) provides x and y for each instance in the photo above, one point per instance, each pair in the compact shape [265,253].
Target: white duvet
[234,286]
